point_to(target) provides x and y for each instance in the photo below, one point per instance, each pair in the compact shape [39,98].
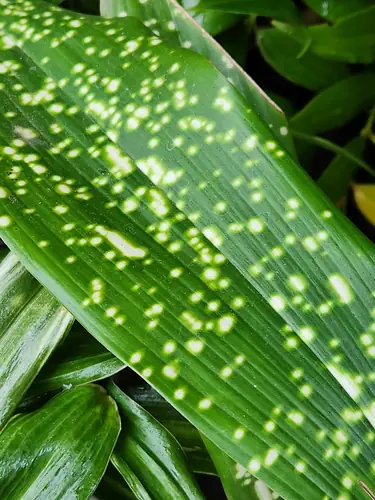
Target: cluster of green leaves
[152,190]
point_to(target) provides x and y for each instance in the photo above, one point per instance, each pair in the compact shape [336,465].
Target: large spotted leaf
[140,188]
[168,20]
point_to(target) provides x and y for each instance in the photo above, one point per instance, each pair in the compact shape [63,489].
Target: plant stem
[330,146]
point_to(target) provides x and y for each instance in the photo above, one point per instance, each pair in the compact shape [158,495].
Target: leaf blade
[185,368]
[148,456]
[45,456]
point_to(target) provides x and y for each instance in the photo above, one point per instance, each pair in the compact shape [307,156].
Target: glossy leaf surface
[162,15]
[79,360]
[175,228]
[148,456]
[61,450]
[288,57]
[187,435]
[279,9]
[27,339]
[336,105]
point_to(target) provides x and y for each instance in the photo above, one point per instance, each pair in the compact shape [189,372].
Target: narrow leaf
[148,456]
[351,39]
[336,178]
[335,9]
[190,244]
[237,482]
[187,435]
[337,105]
[79,360]
[186,33]
[61,450]
[280,9]
[287,56]
[28,339]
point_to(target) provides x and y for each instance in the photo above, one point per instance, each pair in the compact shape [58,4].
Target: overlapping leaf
[171,223]
[280,9]
[335,9]
[32,323]
[169,21]
[288,57]
[148,456]
[79,360]
[61,450]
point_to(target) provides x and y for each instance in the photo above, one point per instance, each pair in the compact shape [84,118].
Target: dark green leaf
[187,435]
[168,14]
[113,486]
[337,105]
[80,359]
[28,336]
[236,41]
[351,40]
[3,253]
[214,22]
[237,482]
[148,456]
[287,56]
[279,9]
[336,179]
[61,450]
[335,9]
[183,237]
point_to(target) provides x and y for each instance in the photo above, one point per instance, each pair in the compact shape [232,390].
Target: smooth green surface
[27,339]
[237,482]
[187,435]
[335,9]
[214,22]
[336,105]
[148,456]
[79,360]
[352,39]
[61,450]
[336,179]
[288,57]
[162,15]
[171,223]
[280,9]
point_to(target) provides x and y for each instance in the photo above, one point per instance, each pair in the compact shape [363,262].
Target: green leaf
[175,26]
[336,178]
[351,39]
[171,223]
[187,435]
[335,9]
[287,56]
[32,323]
[148,456]
[279,9]
[113,486]
[214,22]
[236,41]
[79,360]
[61,450]
[336,105]
[237,482]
